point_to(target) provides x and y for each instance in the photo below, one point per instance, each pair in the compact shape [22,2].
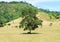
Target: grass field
[45,34]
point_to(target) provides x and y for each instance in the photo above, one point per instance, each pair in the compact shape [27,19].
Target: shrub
[9,24]
[16,26]
[50,24]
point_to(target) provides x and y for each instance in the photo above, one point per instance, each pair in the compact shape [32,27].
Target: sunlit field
[45,33]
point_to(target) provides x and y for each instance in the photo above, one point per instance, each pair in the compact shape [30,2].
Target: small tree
[30,23]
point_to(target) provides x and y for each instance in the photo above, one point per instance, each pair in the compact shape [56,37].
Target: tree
[30,23]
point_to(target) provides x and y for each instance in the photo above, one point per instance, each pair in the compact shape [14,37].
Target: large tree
[30,21]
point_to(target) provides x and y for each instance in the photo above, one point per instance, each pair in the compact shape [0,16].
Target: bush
[16,26]
[50,24]
[1,25]
[9,24]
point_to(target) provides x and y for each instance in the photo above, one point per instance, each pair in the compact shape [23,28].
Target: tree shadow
[31,33]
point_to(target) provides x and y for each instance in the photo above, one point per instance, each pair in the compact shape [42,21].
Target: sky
[53,5]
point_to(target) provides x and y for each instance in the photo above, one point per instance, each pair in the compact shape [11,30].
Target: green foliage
[13,10]
[1,24]
[9,24]
[2,21]
[30,23]
[51,14]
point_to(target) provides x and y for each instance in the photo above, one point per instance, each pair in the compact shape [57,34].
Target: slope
[45,34]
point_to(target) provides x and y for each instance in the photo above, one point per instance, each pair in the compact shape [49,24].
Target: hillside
[53,15]
[43,16]
[45,34]
[12,10]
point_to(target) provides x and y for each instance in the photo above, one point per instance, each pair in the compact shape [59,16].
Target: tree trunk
[29,32]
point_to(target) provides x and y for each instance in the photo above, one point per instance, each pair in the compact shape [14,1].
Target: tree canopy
[30,21]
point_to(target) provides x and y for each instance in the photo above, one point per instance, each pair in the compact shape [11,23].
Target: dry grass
[45,34]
